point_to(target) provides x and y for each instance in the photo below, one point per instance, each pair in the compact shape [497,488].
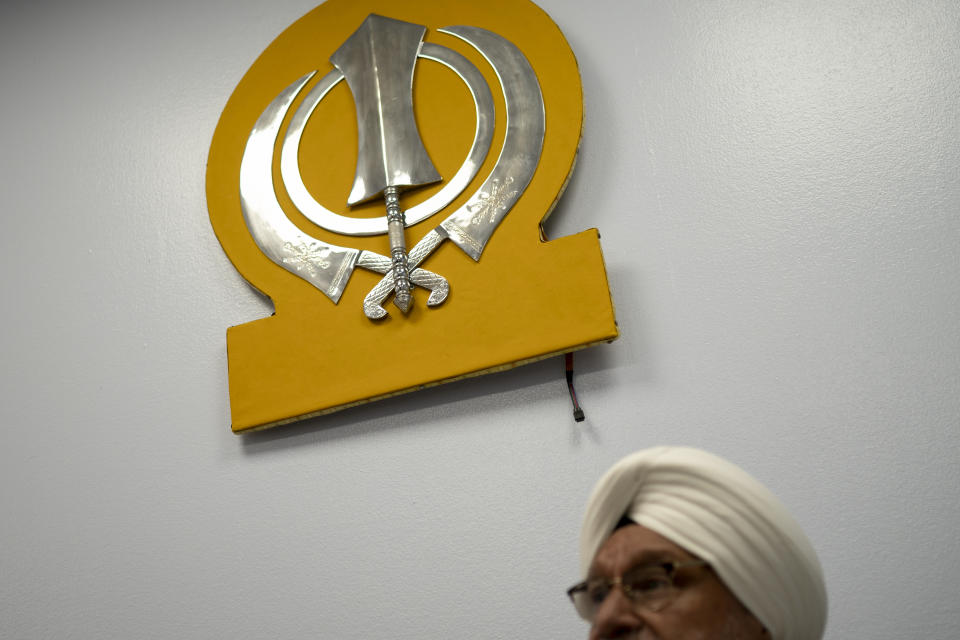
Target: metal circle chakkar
[321,216]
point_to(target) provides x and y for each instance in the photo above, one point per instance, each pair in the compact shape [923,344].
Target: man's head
[678,544]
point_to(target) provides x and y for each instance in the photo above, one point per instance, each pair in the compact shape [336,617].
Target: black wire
[577,411]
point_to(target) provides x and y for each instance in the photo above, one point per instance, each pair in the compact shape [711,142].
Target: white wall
[777,188]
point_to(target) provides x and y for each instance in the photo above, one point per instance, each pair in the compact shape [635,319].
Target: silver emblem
[378,63]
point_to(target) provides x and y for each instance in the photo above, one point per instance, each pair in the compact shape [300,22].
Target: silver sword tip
[403,300]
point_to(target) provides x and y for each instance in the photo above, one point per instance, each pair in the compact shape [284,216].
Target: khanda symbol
[378,63]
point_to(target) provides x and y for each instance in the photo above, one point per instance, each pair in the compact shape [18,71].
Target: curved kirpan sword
[328,267]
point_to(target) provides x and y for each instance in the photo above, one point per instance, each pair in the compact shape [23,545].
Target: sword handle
[396,225]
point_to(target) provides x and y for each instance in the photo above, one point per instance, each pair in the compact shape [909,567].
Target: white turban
[721,514]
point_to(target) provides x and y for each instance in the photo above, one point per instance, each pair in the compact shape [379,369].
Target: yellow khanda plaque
[381,173]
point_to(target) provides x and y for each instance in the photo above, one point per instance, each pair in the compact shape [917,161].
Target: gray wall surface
[776,184]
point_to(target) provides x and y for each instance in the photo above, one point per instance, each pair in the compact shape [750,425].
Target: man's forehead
[632,545]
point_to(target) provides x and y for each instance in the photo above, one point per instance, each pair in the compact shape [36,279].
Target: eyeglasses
[650,587]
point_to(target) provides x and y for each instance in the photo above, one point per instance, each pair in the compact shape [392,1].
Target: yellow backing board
[525,299]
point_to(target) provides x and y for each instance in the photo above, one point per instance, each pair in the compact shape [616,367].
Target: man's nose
[617,617]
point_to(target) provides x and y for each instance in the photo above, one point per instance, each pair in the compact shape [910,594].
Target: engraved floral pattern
[306,257]
[489,205]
